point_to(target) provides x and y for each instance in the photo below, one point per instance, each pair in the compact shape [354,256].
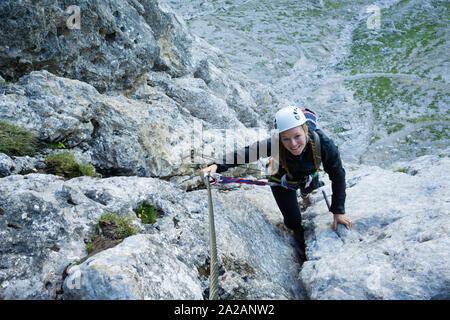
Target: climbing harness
[214,271]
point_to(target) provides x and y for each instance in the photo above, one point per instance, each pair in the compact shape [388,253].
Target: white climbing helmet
[288,118]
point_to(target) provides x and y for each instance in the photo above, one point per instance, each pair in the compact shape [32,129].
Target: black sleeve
[249,154]
[332,165]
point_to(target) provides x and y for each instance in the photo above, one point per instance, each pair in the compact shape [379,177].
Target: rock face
[164,85]
[398,248]
[45,221]
[138,268]
[117,44]
[133,93]
[118,135]
[112,45]
[109,44]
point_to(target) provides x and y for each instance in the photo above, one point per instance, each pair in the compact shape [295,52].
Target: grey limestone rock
[398,246]
[45,220]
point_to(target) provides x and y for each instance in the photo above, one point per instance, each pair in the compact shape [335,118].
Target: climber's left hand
[342,219]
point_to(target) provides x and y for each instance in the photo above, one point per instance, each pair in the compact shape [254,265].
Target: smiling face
[294,140]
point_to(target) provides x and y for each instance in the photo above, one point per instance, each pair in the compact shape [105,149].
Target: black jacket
[303,165]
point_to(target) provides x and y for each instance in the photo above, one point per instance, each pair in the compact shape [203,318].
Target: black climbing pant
[287,202]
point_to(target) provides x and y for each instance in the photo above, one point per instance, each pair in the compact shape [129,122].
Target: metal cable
[214,270]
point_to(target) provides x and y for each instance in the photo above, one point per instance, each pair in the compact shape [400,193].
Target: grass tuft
[16,141]
[65,165]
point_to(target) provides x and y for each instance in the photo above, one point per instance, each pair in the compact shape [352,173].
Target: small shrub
[110,230]
[147,213]
[86,169]
[89,247]
[115,227]
[65,165]
[16,141]
[58,145]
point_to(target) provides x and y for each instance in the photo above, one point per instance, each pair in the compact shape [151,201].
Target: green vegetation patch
[16,141]
[110,230]
[418,30]
[58,145]
[65,165]
[332,5]
[395,103]
[427,118]
[438,132]
[147,213]
[115,227]
[394,127]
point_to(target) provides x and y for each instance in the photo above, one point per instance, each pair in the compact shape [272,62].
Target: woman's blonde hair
[283,151]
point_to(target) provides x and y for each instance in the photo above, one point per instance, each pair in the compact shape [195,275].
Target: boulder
[45,222]
[148,135]
[110,45]
[398,248]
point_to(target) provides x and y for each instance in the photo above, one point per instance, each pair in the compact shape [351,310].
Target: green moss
[147,213]
[402,170]
[290,64]
[438,132]
[394,127]
[16,141]
[65,165]
[110,230]
[339,130]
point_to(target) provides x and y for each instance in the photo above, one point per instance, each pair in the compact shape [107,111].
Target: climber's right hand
[211,169]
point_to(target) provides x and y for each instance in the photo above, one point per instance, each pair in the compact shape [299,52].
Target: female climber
[301,149]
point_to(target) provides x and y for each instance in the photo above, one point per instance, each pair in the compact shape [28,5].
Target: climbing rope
[217,178]
[214,271]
